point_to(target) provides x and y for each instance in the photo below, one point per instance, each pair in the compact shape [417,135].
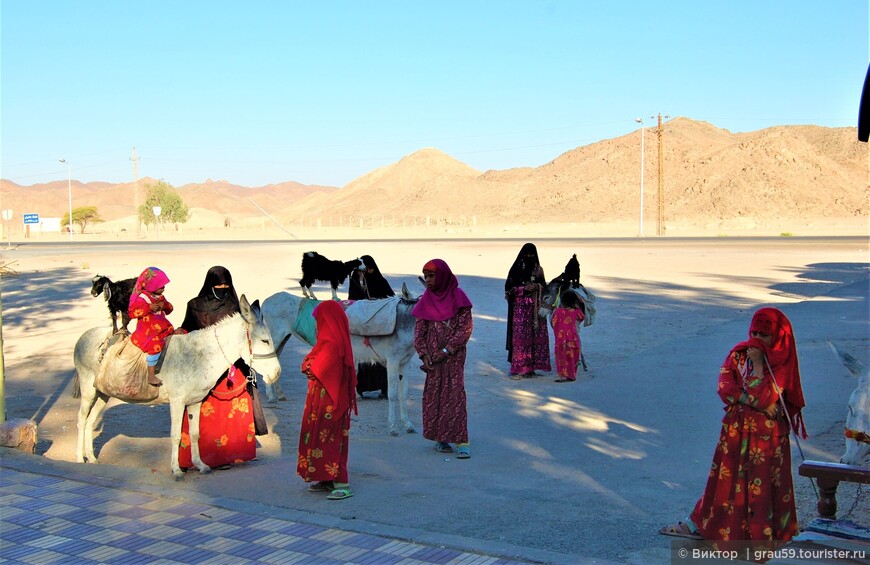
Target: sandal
[340,494]
[321,486]
[561,380]
[462,451]
[680,530]
[443,447]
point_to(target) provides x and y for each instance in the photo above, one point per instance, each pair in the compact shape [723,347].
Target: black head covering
[212,304]
[525,268]
[376,286]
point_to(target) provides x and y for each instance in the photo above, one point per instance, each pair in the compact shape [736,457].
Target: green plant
[173,210]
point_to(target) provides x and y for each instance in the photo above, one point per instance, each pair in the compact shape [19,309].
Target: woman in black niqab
[527,340]
[369,284]
[234,409]
[216,300]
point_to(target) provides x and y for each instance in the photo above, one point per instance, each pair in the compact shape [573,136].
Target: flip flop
[443,447]
[462,452]
[679,530]
[321,486]
[340,494]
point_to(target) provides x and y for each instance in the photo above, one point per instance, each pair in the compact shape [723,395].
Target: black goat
[117,295]
[316,267]
[572,272]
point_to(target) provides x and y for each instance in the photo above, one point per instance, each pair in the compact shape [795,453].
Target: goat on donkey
[316,267]
[572,271]
[117,295]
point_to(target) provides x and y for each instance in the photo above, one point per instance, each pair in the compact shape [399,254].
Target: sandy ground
[590,468]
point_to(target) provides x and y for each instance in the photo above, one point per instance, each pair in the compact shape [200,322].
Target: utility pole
[660,226]
[135,160]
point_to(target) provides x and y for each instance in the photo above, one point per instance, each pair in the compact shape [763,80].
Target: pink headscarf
[150,280]
[445,298]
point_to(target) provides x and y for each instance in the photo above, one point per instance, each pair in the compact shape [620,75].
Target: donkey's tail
[77,387]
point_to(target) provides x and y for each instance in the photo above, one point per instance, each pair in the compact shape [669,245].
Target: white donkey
[858,416]
[192,365]
[394,351]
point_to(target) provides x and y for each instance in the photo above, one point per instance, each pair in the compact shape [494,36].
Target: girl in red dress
[325,432]
[750,493]
[149,308]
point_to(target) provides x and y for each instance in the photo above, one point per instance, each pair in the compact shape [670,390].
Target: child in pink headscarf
[149,308]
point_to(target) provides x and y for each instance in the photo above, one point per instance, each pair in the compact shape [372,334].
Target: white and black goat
[316,267]
[117,295]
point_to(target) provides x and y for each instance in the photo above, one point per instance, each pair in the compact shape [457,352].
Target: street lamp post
[69,192]
[640,121]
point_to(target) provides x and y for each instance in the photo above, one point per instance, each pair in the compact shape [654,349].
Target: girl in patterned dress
[441,334]
[149,308]
[565,320]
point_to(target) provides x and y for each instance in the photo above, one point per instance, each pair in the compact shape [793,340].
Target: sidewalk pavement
[51,515]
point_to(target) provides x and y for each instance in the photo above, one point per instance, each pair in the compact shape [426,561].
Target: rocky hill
[710,176]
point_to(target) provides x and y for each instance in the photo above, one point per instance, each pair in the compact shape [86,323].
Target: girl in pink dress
[566,320]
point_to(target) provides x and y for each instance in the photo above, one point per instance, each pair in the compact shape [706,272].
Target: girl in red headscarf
[149,308]
[325,433]
[750,493]
[441,332]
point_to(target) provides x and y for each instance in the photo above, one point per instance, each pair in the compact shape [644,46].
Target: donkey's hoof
[394,431]
[178,475]
[204,470]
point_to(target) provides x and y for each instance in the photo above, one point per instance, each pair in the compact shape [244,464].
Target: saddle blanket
[305,325]
[372,317]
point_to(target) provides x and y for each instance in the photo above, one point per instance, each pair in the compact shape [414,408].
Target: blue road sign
[31,218]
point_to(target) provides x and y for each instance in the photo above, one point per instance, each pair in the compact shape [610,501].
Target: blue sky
[321,92]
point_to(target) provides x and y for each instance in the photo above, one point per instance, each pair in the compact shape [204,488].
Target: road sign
[31,218]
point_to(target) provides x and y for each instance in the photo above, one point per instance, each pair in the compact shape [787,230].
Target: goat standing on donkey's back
[316,267]
[572,271]
[117,295]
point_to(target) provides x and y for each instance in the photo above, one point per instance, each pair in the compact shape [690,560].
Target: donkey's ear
[245,307]
[406,294]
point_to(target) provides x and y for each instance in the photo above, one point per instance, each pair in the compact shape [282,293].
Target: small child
[149,308]
[565,321]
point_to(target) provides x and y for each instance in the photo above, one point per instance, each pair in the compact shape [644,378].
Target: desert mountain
[709,175]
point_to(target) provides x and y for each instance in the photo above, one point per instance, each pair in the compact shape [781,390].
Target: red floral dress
[226,425]
[152,328]
[749,493]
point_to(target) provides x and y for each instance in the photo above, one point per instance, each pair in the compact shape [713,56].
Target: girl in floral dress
[750,493]
[565,320]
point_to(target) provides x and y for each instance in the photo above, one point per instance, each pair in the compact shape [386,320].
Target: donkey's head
[552,292]
[261,348]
